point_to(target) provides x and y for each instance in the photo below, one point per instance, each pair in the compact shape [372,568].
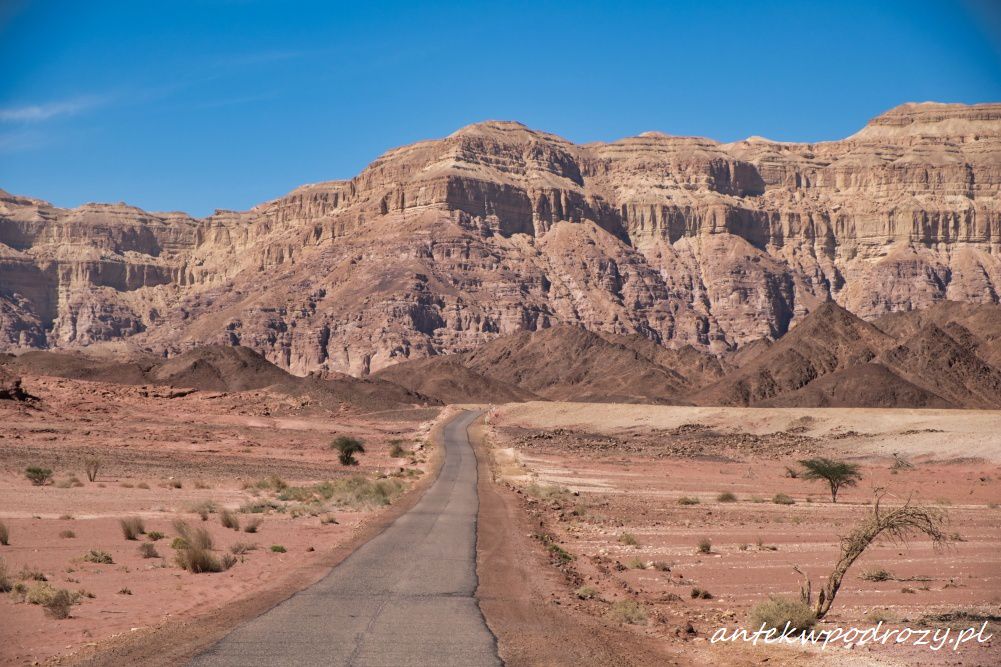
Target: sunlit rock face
[440,246]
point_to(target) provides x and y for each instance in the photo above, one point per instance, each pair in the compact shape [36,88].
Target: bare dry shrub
[898,524]
[132,527]
[92,466]
[229,520]
[6,583]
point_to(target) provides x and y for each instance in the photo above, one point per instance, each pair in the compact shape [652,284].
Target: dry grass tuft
[229,520]
[877,574]
[148,550]
[194,550]
[6,583]
[101,557]
[132,527]
[627,611]
[628,539]
[776,613]
[240,548]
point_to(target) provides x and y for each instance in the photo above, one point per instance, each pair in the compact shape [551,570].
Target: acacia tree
[897,524]
[836,473]
[348,447]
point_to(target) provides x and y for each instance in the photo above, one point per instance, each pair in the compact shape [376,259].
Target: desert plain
[656,524]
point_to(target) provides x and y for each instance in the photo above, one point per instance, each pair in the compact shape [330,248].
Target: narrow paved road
[404,598]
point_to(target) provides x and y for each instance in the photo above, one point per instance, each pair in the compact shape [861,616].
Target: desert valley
[662,338]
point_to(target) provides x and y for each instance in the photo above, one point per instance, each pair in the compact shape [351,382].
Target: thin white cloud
[35,113]
[22,140]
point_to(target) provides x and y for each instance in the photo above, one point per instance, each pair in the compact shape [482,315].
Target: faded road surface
[404,598]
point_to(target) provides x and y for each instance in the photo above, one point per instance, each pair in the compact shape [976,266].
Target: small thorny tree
[835,473]
[348,447]
[897,524]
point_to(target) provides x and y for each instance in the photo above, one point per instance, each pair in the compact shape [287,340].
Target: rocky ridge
[444,245]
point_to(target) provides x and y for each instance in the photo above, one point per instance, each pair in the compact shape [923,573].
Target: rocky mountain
[831,358]
[444,245]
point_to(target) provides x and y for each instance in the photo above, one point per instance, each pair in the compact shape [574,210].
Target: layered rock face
[443,245]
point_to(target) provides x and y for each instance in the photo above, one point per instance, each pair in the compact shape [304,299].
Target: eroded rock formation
[443,245]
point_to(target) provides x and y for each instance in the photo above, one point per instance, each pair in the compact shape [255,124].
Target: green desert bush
[585,593]
[278,548]
[782,499]
[777,612]
[627,611]
[132,527]
[347,448]
[688,500]
[38,475]
[726,497]
[837,474]
[154,535]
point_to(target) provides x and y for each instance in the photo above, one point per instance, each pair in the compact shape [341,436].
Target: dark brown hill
[935,360]
[870,385]
[694,368]
[219,368]
[830,339]
[982,324]
[446,379]
[572,364]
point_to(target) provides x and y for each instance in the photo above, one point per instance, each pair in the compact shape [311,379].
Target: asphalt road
[404,598]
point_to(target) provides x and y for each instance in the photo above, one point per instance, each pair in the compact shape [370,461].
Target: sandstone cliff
[444,245]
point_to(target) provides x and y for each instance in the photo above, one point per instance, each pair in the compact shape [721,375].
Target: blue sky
[226,103]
